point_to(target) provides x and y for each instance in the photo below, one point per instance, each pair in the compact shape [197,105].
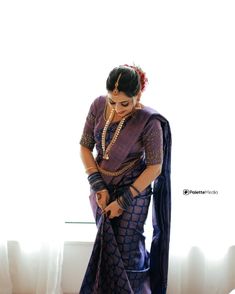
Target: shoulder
[149,115]
[98,105]
[146,112]
[153,124]
[100,100]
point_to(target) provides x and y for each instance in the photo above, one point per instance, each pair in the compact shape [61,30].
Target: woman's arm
[153,144]
[88,160]
[102,197]
[146,177]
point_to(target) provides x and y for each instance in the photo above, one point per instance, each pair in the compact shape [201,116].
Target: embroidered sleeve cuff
[87,141]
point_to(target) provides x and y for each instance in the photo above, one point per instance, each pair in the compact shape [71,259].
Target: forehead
[121,97]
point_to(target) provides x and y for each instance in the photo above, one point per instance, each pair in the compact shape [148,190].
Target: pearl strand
[115,136]
[105,130]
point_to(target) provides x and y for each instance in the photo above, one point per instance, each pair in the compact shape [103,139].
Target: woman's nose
[118,107]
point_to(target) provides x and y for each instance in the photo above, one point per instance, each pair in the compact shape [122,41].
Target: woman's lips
[120,113]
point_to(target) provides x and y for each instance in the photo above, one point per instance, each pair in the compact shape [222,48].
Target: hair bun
[142,75]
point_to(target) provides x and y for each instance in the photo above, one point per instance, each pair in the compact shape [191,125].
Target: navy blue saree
[119,262]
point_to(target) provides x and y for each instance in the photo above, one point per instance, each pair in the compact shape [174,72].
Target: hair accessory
[115,91]
[142,75]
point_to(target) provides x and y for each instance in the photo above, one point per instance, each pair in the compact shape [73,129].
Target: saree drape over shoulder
[119,261]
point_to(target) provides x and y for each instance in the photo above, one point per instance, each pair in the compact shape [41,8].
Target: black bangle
[126,199]
[96,182]
[138,192]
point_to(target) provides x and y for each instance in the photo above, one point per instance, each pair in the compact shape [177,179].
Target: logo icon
[186,192]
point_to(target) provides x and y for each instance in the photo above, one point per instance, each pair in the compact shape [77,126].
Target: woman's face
[122,104]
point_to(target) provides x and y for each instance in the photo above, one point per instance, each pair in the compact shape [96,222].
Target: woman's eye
[123,104]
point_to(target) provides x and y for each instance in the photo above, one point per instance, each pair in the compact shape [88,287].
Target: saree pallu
[119,262]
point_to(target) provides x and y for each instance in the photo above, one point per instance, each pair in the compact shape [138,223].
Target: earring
[138,105]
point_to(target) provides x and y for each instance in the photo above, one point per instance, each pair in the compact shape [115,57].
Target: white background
[54,61]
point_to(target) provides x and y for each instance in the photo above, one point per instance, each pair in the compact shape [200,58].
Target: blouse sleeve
[153,142]
[87,139]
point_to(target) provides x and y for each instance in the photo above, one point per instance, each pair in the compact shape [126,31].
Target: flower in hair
[142,76]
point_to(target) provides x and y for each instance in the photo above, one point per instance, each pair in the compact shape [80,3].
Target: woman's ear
[137,101]
[139,96]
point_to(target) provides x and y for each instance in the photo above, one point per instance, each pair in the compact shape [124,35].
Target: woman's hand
[102,198]
[113,210]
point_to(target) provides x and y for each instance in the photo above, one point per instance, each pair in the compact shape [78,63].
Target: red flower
[142,75]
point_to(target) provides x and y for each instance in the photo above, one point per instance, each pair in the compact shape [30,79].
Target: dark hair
[129,82]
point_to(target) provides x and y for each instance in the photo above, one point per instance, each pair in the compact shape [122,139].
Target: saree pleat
[105,272]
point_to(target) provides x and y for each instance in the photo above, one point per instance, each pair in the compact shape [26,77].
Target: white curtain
[31,270]
[196,273]
[5,280]
[50,269]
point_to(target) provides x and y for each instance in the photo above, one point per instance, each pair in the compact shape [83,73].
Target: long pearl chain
[115,136]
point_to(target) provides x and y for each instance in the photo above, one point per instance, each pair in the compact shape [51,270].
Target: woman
[133,144]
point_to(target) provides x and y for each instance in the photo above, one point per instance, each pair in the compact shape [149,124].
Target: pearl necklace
[115,136]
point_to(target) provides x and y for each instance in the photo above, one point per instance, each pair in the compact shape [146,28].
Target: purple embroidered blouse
[150,142]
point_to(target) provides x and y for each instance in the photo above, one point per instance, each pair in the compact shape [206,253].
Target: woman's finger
[102,206]
[120,211]
[104,210]
[98,196]
[107,213]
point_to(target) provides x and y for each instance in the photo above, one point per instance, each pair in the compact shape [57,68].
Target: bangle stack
[126,199]
[96,182]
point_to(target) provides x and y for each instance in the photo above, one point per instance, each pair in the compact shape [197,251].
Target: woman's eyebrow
[120,101]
